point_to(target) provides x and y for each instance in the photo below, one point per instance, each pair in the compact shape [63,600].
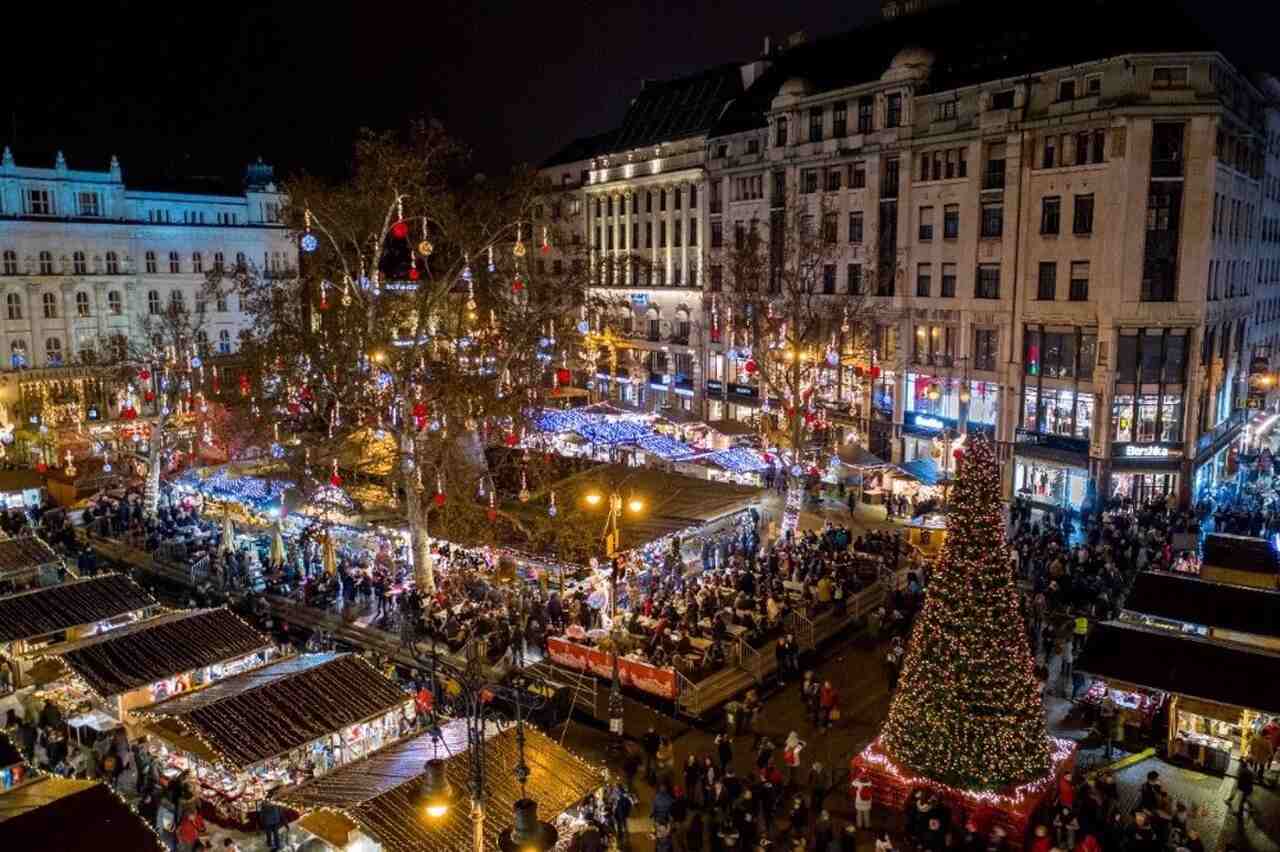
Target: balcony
[1166,168]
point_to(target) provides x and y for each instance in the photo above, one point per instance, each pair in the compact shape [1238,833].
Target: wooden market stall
[21,489]
[1217,689]
[29,561]
[275,725]
[377,804]
[147,661]
[72,610]
[70,815]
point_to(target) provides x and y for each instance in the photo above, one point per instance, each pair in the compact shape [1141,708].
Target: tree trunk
[151,493]
[424,574]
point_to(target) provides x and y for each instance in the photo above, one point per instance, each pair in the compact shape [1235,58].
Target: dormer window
[1002,99]
[88,204]
[39,202]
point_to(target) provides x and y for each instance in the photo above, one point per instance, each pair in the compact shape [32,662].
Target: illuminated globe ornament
[106,467]
[833,358]
[196,362]
[551,510]
[400,230]
[796,470]
[309,243]
[583,327]
[425,248]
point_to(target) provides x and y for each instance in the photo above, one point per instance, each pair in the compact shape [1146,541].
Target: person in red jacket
[190,829]
[828,700]
[1041,842]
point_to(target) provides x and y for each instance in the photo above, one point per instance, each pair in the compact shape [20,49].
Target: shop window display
[1122,418]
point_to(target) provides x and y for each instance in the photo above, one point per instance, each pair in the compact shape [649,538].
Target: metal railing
[801,626]
[749,660]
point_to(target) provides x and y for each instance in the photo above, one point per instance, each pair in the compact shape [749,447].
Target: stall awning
[1187,599]
[856,455]
[925,471]
[1184,665]
[381,793]
[44,611]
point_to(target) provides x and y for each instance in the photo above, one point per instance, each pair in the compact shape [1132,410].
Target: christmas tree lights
[967,711]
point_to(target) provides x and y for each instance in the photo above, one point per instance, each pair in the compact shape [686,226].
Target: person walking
[862,791]
[1244,788]
[621,813]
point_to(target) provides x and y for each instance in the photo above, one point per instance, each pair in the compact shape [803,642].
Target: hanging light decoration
[934,391]
[965,396]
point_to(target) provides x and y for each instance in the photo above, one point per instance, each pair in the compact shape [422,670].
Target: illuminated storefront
[1147,415]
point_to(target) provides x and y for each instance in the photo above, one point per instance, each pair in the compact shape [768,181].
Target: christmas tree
[967,712]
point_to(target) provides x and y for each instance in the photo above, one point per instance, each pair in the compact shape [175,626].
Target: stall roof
[856,455]
[732,427]
[381,794]
[43,611]
[1194,601]
[1187,665]
[672,502]
[276,708]
[71,816]
[19,480]
[925,471]
[147,651]
[21,555]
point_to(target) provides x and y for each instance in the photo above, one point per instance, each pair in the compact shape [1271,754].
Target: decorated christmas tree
[967,712]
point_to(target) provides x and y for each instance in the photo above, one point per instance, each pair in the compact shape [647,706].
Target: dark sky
[201,88]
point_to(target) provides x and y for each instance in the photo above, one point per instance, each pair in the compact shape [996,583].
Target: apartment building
[86,260]
[1060,226]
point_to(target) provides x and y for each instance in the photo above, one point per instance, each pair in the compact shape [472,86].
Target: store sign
[715,387]
[632,673]
[930,423]
[1147,451]
[744,390]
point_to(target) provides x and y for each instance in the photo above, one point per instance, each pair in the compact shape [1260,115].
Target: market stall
[927,532]
[632,671]
[72,610]
[376,805]
[165,655]
[28,561]
[71,815]
[21,489]
[244,736]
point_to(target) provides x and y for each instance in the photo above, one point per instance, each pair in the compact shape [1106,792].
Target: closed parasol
[277,547]
[329,555]
[228,535]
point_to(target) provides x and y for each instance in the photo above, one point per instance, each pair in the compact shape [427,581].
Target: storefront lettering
[930,423]
[1133,451]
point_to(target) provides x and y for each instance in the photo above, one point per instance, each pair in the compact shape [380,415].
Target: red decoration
[144,374]
[149,396]
[400,230]
[957,454]
[563,376]
[41,467]
[307,394]
[244,385]
[751,366]
[335,481]
[420,423]
[875,372]
[517,286]
[439,498]
[294,408]
[486,696]
[129,413]
[324,303]
[493,515]
[546,248]
[419,409]
[511,439]
[413,273]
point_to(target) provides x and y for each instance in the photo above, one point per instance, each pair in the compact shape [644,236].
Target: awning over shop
[1184,665]
[1193,601]
[925,471]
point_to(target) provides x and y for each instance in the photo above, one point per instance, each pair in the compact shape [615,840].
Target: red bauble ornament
[511,439]
[875,372]
[439,498]
[324,303]
[493,515]
[958,454]
[419,409]
[307,394]
[751,366]
[144,374]
[41,467]
[129,413]
[149,396]
[335,481]
[563,376]
[546,248]
[413,273]
[400,230]
[517,286]
[294,408]
[420,423]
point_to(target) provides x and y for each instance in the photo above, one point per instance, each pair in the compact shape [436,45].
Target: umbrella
[228,535]
[329,556]
[277,547]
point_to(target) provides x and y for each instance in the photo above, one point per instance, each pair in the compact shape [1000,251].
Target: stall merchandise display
[1137,707]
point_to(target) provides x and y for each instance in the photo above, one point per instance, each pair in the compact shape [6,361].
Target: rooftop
[43,611]
[72,816]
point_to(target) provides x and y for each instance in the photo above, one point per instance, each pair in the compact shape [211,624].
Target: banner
[642,676]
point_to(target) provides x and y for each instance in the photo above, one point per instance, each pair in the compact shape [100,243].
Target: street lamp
[436,789]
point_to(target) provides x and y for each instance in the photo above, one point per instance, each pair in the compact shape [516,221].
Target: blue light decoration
[666,448]
[552,420]
[621,432]
[583,327]
[196,362]
[833,358]
[738,460]
[251,492]
[384,380]
[309,243]
[551,510]
[277,451]
[796,470]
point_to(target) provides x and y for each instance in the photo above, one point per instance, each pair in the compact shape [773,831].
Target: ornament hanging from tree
[334,479]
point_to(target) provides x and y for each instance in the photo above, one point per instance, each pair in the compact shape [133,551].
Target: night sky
[200,89]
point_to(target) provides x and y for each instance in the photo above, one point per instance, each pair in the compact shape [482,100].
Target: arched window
[152,269]
[175,265]
[114,303]
[178,301]
[224,342]
[50,302]
[222,302]
[655,325]
[197,262]
[10,262]
[53,352]
[217,260]
[626,319]
[202,342]
[18,353]
[682,325]
[82,304]
[46,263]
[241,263]
[78,265]
[119,346]
[14,303]
[113,263]
[153,302]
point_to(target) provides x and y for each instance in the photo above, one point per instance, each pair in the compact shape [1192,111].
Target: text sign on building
[1154,452]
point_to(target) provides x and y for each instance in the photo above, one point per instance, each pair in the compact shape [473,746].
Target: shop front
[1142,473]
[1214,460]
[1051,470]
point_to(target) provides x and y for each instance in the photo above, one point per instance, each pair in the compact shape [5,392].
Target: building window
[780,132]
[951,221]
[53,352]
[49,301]
[717,234]
[78,264]
[82,304]
[10,262]
[855,227]
[717,278]
[809,181]
[87,203]
[221,303]
[1079,291]
[1066,90]
[815,124]
[866,114]
[1093,85]
[1168,77]
[677,198]
[893,110]
[175,265]
[114,303]
[926,224]
[829,278]
[151,263]
[858,175]
[1002,99]
[224,342]
[241,263]
[987,284]
[924,280]
[985,349]
[833,180]
[1082,221]
[840,120]
[1051,215]
[1047,290]
[153,302]
[853,279]
[948,281]
[46,263]
[39,202]
[944,111]
[14,303]
[829,227]
[992,219]
[197,262]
